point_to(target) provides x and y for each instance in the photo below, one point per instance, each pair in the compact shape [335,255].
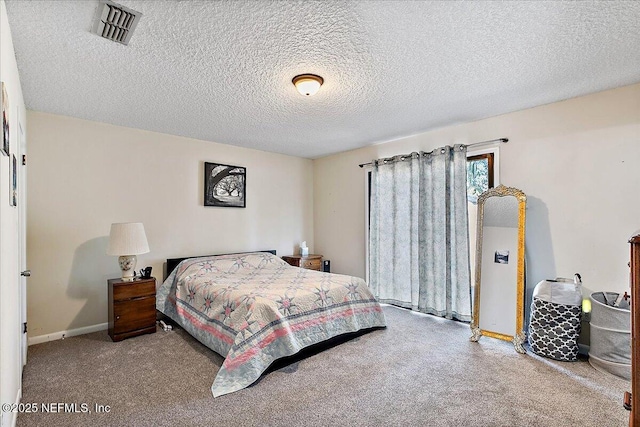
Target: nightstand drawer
[133,314]
[134,289]
[311,264]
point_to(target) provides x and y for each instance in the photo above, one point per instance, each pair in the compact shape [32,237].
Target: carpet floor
[419,371]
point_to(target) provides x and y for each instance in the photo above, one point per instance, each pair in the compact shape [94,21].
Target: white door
[22,238]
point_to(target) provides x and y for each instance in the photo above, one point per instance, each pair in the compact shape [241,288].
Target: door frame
[22,234]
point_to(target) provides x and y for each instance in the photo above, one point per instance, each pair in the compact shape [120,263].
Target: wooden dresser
[132,308]
[310,262]
[634,399]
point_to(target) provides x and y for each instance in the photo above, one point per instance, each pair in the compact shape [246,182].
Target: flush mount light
[307,84]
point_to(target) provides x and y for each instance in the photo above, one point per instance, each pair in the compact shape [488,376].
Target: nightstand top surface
[118,281]
[303,257]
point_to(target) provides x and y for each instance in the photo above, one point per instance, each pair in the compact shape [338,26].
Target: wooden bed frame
[172,263]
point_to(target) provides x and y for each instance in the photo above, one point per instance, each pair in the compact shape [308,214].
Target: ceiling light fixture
[308,84]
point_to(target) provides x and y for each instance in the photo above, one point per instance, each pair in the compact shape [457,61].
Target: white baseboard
[70,333]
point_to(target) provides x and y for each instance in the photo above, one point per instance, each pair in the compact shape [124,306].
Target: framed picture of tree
[224,185]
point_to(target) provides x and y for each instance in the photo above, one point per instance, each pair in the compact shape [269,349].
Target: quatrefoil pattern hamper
[554,325]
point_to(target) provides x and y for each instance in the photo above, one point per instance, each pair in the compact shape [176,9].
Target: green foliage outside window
[477,178]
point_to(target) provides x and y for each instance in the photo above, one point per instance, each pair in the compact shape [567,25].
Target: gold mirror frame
[519,337]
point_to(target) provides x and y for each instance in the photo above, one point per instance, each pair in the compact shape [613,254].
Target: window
[479,175]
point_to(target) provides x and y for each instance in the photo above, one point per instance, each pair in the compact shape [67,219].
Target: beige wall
[84,175]
[578,161]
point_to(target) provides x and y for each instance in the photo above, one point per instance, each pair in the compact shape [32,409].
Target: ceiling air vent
[115,22]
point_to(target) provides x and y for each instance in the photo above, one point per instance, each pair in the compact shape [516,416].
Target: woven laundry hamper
[554,324]
[610,345]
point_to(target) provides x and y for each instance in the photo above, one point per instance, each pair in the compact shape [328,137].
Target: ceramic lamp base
[128,267]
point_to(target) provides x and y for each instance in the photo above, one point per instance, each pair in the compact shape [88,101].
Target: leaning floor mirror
[498,296]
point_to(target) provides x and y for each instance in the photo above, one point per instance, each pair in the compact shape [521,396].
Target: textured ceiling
[221,71]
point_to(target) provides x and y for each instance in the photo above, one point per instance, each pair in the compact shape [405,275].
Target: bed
[254,308]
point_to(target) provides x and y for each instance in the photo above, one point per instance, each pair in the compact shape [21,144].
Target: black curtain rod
[501,140]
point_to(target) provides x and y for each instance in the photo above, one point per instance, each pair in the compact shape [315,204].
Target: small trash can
[554,325]
[610,346]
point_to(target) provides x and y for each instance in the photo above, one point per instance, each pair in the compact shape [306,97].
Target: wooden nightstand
[132,308]
[310,262]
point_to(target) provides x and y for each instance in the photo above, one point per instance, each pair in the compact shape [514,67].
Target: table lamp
[127,240]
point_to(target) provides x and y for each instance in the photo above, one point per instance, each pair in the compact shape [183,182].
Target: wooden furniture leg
[634,417]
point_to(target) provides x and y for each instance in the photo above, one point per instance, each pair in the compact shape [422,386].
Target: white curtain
[418,233]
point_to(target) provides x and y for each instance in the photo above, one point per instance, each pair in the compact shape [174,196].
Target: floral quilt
[255,308]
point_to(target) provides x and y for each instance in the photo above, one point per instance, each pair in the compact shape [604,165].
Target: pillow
[263,260]
[233,262]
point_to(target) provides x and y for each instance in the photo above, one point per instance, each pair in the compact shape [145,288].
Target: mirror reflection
[498,306]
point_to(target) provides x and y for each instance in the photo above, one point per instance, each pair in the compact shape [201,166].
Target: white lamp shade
[127,238]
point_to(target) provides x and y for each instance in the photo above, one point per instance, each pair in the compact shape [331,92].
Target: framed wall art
[501,257]
[5,121]
[224,185]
